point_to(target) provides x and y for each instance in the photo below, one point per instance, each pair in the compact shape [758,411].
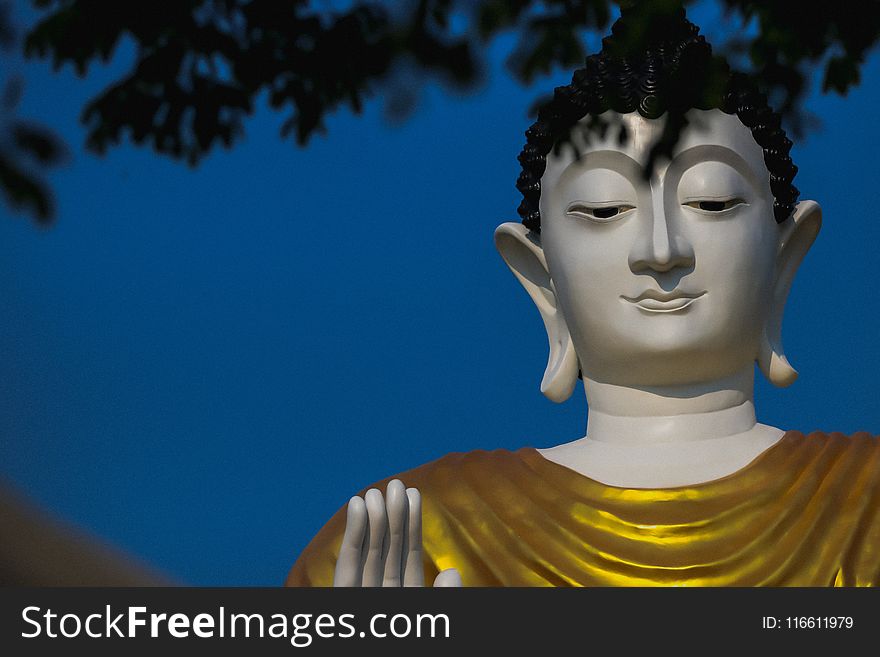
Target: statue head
[660,243]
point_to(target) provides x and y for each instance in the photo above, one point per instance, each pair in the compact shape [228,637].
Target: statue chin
[661,282]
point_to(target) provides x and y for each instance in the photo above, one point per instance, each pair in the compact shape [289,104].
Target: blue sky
[202,365]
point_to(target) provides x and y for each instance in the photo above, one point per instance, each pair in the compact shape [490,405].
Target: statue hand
[382,544]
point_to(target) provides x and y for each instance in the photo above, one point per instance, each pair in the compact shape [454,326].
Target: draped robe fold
[805,512]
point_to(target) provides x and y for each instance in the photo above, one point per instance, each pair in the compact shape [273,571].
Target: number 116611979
[807,622]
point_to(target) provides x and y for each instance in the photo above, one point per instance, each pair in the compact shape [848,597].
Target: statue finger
[448,578]
[397,507]
[374,565]
[348,565]
[414,570]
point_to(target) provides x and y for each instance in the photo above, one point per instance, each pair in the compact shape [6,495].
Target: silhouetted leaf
[24,191]
[841,73]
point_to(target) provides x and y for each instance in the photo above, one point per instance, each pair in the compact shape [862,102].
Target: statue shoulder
[848,459]
[861,445]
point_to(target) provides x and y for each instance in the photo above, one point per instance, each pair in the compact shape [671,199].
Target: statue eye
[599,214]
[715,206]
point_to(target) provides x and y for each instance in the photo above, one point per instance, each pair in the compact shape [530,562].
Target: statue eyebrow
[630,168]
[718,153]
[608,159]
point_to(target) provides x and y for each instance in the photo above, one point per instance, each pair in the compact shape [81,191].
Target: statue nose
[661,247]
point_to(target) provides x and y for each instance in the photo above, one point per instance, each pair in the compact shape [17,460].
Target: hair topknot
[653,67]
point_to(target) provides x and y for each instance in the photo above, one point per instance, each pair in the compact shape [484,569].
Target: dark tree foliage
[26,148]
[201,65]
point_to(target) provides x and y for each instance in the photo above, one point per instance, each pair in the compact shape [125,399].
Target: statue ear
[521,250]
[798,234]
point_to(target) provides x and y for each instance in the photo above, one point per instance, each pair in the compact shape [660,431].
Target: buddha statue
[661,279]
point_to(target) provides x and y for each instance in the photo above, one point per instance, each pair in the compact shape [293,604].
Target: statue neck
[657,437]
[670,414]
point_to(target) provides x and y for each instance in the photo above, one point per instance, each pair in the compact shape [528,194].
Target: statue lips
[663,302]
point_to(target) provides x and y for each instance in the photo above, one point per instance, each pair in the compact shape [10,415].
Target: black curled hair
[666,67]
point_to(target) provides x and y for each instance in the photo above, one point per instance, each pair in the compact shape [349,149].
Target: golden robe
[805,512]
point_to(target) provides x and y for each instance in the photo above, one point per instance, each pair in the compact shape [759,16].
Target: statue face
[666,280]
